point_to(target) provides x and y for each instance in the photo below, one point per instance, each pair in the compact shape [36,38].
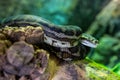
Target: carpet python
[65,37]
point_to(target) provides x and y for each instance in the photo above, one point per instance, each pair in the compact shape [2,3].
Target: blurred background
[100,18]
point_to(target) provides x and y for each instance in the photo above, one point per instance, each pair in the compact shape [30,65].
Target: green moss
[52,66]
[99,72]
[116,68]
[95,71]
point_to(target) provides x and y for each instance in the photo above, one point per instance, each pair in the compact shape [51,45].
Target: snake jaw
[89,40]
[88,43]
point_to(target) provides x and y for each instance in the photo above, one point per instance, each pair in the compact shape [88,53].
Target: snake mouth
[88,43]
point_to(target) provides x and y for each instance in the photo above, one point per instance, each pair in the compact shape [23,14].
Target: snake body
[67,40]
[55,35]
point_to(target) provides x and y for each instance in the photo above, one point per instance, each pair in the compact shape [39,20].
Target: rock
[37,76]
[2,36]
[10,69]
[25,70]
[4,43]
[83,70]
[41,59]
[69,72]
[23,61]
[20,53]
[3,46]
[23,78]
[9,76]
[17,36]
[32,35]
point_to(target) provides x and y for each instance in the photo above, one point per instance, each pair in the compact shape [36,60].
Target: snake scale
[67,39]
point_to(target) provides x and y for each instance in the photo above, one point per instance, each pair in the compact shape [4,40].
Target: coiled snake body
[69,39]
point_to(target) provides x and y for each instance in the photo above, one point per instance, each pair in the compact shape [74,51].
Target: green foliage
[117,68]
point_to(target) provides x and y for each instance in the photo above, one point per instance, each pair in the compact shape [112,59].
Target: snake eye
[96,41]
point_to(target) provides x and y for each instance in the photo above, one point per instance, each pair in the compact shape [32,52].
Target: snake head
[89,40]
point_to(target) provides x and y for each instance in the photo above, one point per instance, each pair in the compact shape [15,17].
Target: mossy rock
[42,64]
